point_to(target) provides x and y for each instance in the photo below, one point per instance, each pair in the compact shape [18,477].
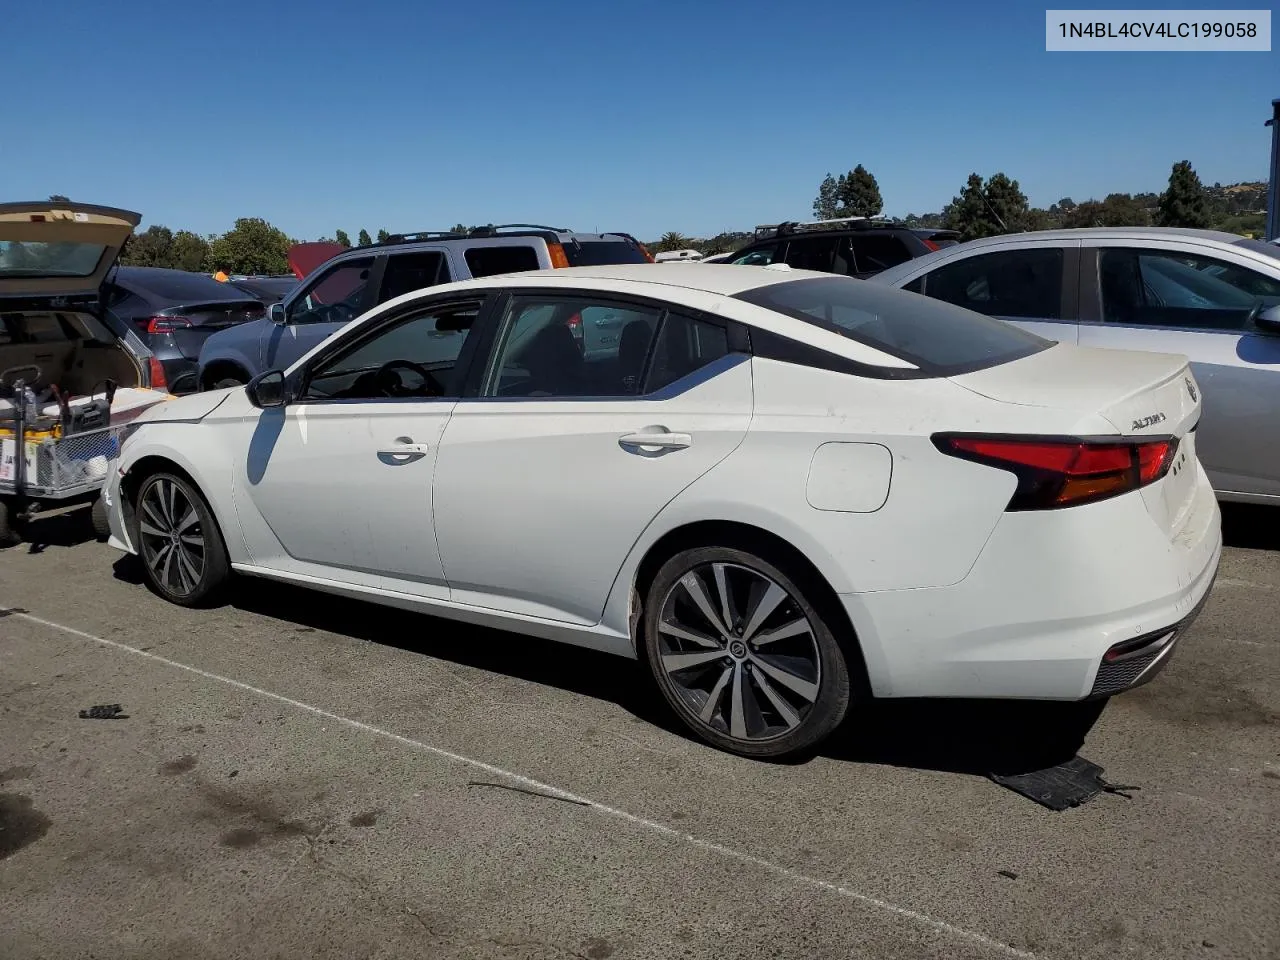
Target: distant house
[670,256]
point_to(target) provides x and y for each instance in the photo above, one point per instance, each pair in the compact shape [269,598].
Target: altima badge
[1147,421]
[1191,388]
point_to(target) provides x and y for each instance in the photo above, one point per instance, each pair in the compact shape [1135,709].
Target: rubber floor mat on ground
[1062,786]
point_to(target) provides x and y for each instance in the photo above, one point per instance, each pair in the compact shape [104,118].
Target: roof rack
[491,229]
[488,230]
[841,223]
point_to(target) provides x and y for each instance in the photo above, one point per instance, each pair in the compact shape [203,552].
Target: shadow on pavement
[63,530]
[959,736]
[1251,526]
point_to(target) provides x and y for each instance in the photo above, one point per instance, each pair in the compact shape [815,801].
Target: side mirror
[267,390]
[276,313]
[1268,321]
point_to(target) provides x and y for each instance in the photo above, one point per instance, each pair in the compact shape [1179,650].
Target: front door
[1177,301]
[546,480]
[338,482]
[322,307]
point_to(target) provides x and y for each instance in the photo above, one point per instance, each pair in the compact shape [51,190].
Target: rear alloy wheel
[742,655]
[178,538]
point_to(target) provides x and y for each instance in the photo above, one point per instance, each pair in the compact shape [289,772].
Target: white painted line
[922,919]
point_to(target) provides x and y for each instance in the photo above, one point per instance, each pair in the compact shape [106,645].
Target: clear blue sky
[695,116]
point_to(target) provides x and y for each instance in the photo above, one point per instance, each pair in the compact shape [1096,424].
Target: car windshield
[939,338]
[59,259]
[596,253]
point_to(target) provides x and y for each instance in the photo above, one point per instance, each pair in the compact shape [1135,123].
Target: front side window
[413,357]
[758,256]
[407,272]
[1011,283]
[340,294]
[491,261]
[938,338]
[1171,289]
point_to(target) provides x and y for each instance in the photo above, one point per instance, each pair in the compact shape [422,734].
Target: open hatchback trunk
[54,333]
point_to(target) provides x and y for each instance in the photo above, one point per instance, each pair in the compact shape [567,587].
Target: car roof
[718,278]
[1108,233]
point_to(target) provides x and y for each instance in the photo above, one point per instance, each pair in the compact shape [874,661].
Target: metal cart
[44,468]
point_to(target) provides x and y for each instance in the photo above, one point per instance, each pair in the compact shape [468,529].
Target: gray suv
[363,277]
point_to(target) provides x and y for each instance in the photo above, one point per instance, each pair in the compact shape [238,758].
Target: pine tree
[363,239]
[383,236]
[824,206]
[1183,204]
[859,194]
[341,237]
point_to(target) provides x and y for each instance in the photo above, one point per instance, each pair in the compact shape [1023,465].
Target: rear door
[1033,286]
[549,474]
[1174,297]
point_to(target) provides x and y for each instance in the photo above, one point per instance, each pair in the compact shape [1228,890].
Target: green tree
[988,209]
[363,239]
[461,228]
[59,198]
[859,194]
[828,199]
[1117,210]
[342,238]
[1183,203]
[383,236]
[189,251]
[153,247]
[252,246]
[672,241]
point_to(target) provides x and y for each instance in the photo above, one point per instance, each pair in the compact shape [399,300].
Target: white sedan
[783,490]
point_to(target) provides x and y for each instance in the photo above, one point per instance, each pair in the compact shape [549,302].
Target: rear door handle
[665,440]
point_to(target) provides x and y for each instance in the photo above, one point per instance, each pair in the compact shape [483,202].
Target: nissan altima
[784,491]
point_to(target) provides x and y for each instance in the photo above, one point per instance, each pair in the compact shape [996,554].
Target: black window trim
[736,336]
[301,378]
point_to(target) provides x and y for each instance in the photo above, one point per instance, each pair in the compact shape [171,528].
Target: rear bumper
[1050,595]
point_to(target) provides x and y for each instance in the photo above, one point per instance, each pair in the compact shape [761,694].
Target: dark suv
[856,247]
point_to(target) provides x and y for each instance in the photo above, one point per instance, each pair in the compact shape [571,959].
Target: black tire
[746,680]
[8,534]
[98,520]
[223,382]
[170,565]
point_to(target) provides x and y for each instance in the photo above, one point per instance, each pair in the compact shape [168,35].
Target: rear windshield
[939,338]
[598,253]
[61,259]
[181,287]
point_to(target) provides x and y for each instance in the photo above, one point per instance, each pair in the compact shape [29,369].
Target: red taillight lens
[930,244]
[167,324]
[1063,473]
[158,379]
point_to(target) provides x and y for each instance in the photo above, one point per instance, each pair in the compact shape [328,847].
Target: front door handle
[404,450]
[664,439]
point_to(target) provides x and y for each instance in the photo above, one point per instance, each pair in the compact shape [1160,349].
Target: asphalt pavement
[299,776]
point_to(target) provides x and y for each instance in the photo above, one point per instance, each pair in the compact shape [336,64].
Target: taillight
[645,251]
[558,257]
[167,324]
[1063,473]
[930,244]
[158,380]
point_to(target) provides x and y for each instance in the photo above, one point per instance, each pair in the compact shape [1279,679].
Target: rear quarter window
[938,338]
[596,253]
[490,261]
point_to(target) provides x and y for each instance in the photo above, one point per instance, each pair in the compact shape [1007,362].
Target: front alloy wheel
[181,547]
[742,655]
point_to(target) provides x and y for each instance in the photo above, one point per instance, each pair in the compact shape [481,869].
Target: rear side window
[595,253]
[872,252]
[940,339]
[1012,283]
[407,272]
[684,346]
[489,261]
[812,253]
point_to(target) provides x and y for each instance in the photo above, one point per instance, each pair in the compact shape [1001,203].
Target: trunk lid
[1144,396]
[58,248]
[194,323]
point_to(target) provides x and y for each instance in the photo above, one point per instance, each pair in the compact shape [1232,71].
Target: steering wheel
[7,378]
[331,313]
[394,385]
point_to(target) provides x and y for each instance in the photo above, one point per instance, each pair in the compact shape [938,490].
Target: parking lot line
[921,919]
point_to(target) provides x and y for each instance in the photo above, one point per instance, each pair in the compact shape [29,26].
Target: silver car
[1212,296]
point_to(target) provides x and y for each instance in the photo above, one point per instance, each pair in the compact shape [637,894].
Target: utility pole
[1273,184]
